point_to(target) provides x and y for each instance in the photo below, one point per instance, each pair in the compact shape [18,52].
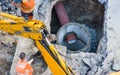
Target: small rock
[9,52]
[83,70]
[116,65]
[99,71]
[93,70]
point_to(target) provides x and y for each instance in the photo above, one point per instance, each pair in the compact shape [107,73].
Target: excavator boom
[34,29]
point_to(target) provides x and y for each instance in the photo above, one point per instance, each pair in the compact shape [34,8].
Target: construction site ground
[102,13]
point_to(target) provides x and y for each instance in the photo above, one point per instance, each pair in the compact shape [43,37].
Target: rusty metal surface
[61,13]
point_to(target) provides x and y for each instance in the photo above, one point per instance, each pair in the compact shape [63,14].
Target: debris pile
[42,11]
[7,50]
[94,64]
[7,6]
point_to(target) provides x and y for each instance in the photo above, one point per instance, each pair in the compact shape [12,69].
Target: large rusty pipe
[61,13]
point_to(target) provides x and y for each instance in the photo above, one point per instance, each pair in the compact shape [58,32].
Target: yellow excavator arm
[34,29]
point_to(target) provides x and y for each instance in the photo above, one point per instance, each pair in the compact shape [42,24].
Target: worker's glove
[34,56]
[30,61]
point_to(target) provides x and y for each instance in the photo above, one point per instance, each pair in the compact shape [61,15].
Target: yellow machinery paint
[34,29]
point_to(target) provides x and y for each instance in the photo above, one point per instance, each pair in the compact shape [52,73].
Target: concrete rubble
[7,50]
[7,6]
[43,9]
[103,62]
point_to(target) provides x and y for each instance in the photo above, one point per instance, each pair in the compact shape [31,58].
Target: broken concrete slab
[23,45]
[116,61]
[99,71]
[42,11]
[113,27]
[93,70]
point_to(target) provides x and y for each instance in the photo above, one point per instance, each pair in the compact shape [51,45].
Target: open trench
[90,17]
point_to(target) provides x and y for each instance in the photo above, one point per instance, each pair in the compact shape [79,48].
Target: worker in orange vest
[26,6]
[23,67]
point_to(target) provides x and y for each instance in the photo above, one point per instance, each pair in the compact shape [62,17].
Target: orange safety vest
[24,68]
[27,6]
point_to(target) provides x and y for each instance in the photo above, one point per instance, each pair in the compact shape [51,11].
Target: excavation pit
[75,37]
[87,12]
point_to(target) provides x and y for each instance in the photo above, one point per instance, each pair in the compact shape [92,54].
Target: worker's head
[22,56]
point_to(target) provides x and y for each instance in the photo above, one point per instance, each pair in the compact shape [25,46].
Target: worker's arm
[17,3]
[30,61]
